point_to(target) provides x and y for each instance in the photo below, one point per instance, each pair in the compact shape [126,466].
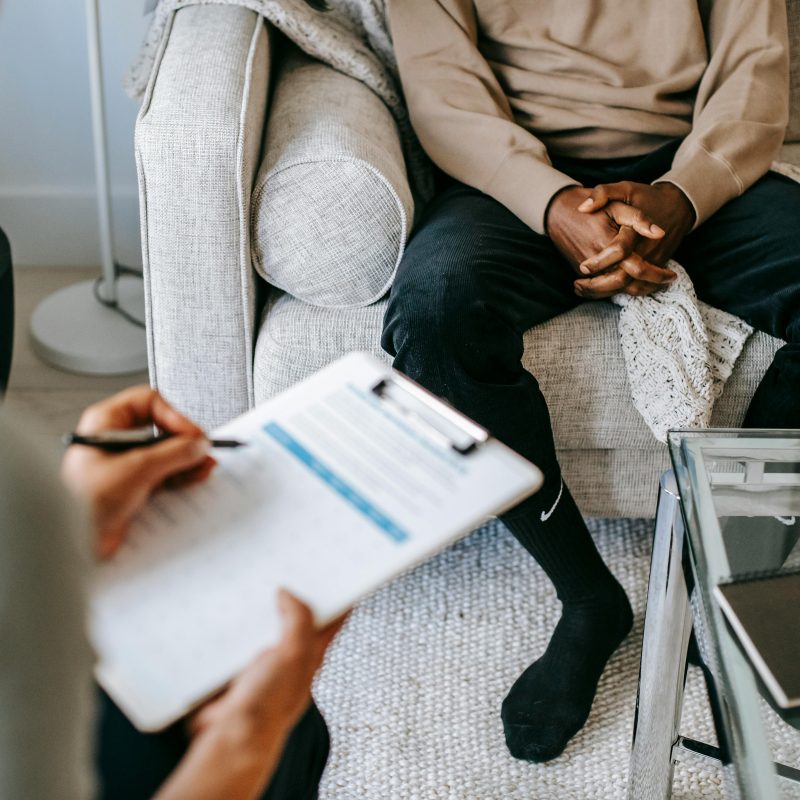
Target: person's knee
[423,314]
[451,330]
[443,307]
[435,283]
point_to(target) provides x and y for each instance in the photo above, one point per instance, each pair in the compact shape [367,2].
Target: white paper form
[337,492]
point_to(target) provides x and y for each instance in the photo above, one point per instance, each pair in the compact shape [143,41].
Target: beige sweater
[493,86]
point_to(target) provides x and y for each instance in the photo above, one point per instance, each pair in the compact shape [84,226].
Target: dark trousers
[132,765]
[6,312]
[474,278]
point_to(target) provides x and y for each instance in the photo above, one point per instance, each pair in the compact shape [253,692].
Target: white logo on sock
[547,516]
[786,520]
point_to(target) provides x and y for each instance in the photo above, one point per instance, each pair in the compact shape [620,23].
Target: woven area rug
[412,687]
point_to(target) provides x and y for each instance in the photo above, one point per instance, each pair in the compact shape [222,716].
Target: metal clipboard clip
[425,411]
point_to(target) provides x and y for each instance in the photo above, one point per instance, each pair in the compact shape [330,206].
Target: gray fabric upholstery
[791,153]
[197,144]
[296,339]
[578,362]
[331,204]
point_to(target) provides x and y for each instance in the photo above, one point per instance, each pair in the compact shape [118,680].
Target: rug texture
[412,687]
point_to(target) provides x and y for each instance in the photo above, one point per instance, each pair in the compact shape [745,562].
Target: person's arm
[46,704]
[461,113]
[238,739]
[464,121]
[740,115]
[742,105]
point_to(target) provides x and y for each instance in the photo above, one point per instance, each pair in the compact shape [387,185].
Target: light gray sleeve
[45,660]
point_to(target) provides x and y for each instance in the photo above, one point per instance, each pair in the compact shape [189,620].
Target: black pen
[119,441]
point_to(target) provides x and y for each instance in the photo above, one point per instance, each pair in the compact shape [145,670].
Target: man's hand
[116,485]
[615,229]
[238,737]
[663,202]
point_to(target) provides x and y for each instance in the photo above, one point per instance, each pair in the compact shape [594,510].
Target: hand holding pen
[115,479]
[118,441]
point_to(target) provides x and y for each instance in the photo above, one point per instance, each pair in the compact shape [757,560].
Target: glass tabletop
[740,496]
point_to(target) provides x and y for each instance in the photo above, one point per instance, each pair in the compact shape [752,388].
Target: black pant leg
[473,279]
[746,260]
[303,761]
[132,765]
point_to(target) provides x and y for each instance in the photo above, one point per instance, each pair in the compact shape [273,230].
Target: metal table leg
[662,673]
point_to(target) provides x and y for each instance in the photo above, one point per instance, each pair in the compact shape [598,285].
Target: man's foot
[551,700]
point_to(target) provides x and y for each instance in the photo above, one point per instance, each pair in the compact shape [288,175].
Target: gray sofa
[275,208]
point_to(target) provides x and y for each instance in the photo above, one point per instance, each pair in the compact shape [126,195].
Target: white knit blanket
[678,351]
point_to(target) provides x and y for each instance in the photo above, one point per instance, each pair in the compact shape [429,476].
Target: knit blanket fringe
[678,351]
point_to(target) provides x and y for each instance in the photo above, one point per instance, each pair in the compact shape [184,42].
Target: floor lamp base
[71,330]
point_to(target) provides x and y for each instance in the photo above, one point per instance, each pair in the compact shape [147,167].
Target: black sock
[550,702]
[550,527]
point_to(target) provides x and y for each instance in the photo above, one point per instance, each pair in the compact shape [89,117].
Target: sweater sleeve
[46,690]
[742,105]
[461,113]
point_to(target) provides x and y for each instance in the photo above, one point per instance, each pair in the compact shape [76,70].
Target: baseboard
[53,226]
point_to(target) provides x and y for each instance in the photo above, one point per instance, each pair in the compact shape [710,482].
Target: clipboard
[349,479]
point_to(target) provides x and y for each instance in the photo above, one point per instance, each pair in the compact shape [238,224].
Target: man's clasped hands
[619,236]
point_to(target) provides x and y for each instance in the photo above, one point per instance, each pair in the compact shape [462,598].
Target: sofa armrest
[332,206]
[198,137]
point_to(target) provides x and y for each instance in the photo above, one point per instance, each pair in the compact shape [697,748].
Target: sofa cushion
[578,361]
[331,205]
[576,357]
[791,153]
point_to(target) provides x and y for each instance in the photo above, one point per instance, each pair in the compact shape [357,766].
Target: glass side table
[733,497]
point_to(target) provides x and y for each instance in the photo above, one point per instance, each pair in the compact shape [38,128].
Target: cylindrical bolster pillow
[331,206]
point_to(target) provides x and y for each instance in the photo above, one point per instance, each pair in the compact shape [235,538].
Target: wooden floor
[51,400]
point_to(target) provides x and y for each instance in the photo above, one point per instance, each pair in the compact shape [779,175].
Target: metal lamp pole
[108,287]
[87,327]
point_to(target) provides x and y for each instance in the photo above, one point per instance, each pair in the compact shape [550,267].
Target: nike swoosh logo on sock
[546,516]
[786,520]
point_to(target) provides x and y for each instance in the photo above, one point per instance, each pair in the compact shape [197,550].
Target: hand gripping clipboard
[349,479]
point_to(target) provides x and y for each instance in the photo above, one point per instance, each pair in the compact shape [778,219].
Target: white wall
[47,196]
